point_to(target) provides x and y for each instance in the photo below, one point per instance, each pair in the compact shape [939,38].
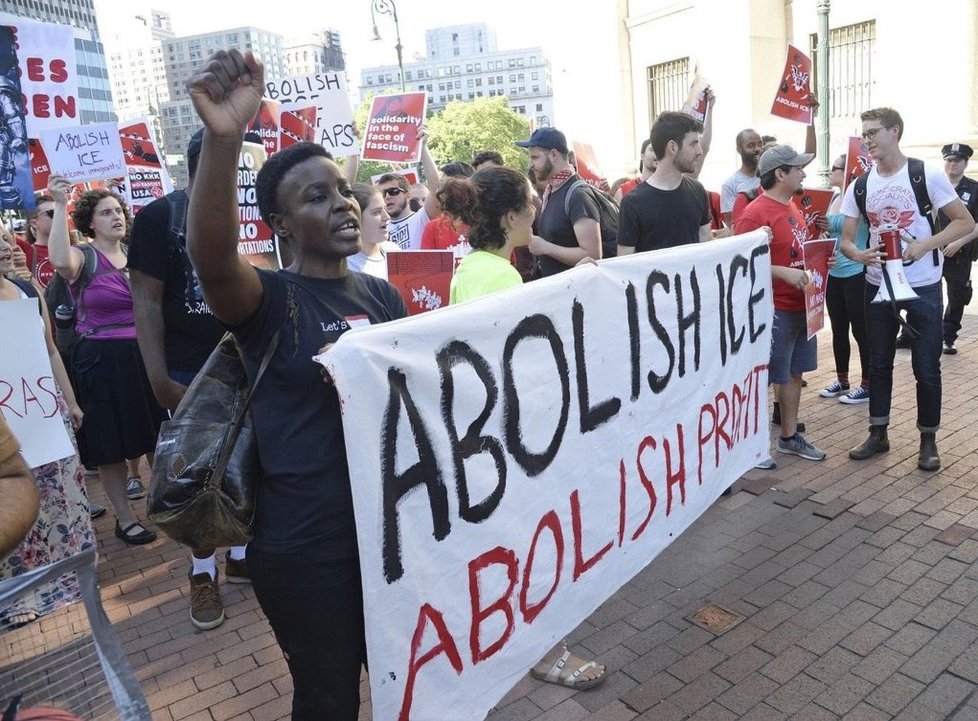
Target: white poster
[531,451]
[48,74]
[28,394]
[334,114]
[85,152]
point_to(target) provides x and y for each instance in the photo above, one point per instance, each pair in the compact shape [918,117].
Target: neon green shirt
[480,273]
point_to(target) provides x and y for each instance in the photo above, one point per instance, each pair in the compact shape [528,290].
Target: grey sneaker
[235,571]
[135,489]
[768,464]
[206,609]
[798,446]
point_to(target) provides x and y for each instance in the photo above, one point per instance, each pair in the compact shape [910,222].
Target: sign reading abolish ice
[530,462]
[28,394]
[85,152]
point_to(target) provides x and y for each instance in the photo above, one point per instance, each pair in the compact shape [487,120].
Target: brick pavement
[857,583]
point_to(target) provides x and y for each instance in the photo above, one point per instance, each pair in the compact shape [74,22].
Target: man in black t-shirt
[669,208]
[565,238]
[176,333]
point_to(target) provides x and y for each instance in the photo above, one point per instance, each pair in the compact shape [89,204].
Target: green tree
[463,129]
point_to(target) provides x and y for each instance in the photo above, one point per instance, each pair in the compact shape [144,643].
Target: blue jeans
[924,315]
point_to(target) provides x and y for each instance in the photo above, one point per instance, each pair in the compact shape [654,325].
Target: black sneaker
[235,571]
[903,341]
[949,349]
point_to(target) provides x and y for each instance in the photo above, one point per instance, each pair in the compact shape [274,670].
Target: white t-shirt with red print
[891,201]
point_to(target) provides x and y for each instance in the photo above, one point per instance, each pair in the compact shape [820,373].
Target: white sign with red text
[28,394]
[48,74]
[536,449]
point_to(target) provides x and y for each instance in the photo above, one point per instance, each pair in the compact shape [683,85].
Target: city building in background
[318,52]
[94,91]
[462,62]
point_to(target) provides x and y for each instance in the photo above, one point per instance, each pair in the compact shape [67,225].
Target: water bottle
[64,316]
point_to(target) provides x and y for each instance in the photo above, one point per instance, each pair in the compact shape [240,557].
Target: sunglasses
[393,192]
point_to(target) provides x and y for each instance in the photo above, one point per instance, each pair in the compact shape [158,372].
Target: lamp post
[825,102]
[387,7]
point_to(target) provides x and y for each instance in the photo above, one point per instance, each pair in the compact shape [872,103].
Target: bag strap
[570,193]
[918,181]
[234,427]
[29,290]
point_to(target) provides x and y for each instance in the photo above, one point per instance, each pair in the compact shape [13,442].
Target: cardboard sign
[85,152]
[256,241]
[422,277]
[28,394]
[814,203]
[147,176]
[524,467]
[334,114]
[858,160]
[48,75]
[817,254]
[791,101]
[392,128]
[697,102]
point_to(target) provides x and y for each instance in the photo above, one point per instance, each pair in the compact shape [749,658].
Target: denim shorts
[791,351]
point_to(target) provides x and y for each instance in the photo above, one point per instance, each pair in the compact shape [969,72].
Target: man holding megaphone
[899,197]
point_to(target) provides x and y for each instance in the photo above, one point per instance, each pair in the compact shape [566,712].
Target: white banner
[517,459]
[85,152]
[28,394]
[48,75]
[334,114]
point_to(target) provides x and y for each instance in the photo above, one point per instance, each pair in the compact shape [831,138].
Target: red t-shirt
[440,234]
[37,261]
[787,248]
[628,186]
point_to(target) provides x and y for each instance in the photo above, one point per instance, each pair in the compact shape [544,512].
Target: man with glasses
[959,254]
[407,225]
[890,198]
[781,172]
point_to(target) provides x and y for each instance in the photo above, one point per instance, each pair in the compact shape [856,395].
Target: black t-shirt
[558,228]
[304,500]
[190,331]
[967,190]
[651,218]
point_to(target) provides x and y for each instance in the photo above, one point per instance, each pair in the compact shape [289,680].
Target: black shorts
[122,417]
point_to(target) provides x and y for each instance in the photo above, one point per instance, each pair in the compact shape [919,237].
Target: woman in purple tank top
[122,417]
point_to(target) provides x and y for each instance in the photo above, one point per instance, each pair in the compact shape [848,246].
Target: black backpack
[63,306]
[608,210]
[918,182]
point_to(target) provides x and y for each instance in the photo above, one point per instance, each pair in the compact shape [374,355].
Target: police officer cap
[957,150]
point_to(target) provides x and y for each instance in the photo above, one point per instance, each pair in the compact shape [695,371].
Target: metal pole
[825,107]
[387,7]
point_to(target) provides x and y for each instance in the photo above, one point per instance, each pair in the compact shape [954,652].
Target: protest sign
[817,253]
[256,241]
[791,101]
[296,126]
[16,192]
[48,75]
[537,448]
[264,126]
[334,114]
[814,203]
[28,394]
[697,102]
[392,128]
[858,160]
[587,162]
[422,277]
[147,176]
[85,152]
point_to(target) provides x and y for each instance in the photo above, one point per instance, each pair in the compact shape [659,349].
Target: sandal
[561,675]
[135,539]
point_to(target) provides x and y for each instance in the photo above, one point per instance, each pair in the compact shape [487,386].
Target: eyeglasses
[873,132]
[838,167]
[392,192]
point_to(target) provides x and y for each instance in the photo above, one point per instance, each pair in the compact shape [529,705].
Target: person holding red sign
[781,172]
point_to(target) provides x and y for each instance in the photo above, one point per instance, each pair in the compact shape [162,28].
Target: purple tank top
[107,301]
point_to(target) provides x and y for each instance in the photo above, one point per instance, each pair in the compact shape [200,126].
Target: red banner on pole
[858,161]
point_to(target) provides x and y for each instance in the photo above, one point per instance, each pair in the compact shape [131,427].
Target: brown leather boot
[928,460]
[878,442]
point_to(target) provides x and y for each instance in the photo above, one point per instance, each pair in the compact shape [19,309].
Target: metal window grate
[852,50]
[668,86]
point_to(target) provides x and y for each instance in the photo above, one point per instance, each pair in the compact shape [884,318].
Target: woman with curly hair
[122,418]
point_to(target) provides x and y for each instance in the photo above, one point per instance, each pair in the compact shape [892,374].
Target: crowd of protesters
[164,290]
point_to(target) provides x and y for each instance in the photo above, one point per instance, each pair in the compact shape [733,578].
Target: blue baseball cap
[548,138]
